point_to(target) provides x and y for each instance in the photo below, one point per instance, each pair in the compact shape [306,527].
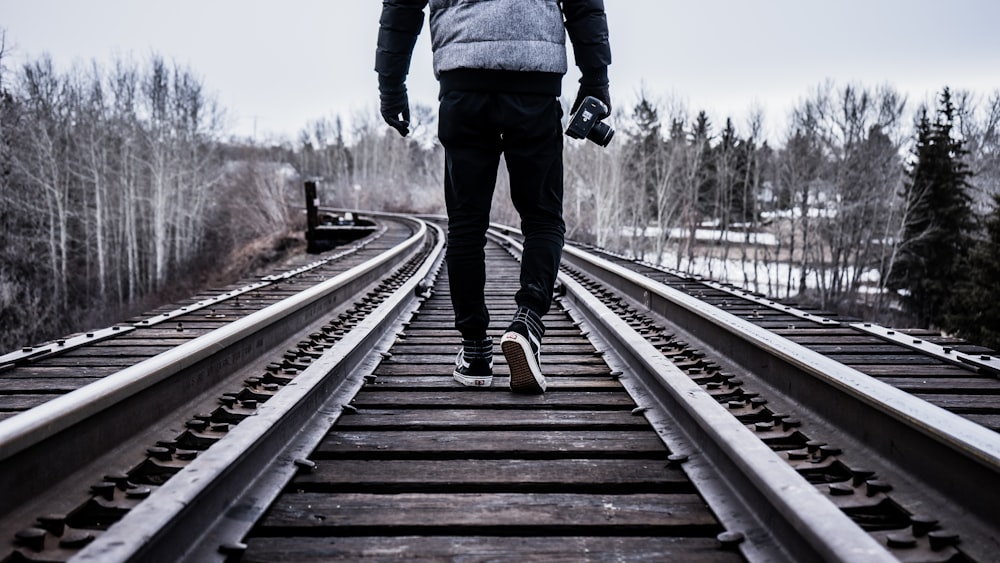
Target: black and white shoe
[521,345]
[474,364]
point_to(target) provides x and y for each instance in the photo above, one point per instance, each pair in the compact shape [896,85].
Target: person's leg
[472,155]
[532,144]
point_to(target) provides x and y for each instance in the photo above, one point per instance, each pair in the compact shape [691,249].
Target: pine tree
[705,180]
[643,162]
[938,219]
[643,146]
[975,305]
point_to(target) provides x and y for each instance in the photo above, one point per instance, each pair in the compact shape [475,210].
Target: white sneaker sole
[525,374]
[470,381]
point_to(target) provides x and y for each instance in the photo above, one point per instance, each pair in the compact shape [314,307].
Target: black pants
[475,128]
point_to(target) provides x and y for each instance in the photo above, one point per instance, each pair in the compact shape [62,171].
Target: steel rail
[203,512]
[984,363]
[772,510]
[72,426]
[930,442]
[742,294]
[37,352]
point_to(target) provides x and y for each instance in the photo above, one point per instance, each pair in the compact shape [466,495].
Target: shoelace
[531,320]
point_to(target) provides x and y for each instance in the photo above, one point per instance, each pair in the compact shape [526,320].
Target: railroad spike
[32,538]
[54,523]
[941,539]
[233,550]
[923,524]
[676,460]
[304,465]
[730,540]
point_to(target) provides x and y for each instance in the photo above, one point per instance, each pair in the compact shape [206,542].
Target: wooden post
[312,207]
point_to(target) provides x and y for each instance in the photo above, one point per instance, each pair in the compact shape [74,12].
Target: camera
[586,122]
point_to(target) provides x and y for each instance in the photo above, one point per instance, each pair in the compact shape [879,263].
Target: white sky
[274,66]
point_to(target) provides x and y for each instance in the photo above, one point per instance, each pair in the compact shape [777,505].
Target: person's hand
[395,108]
[600,92]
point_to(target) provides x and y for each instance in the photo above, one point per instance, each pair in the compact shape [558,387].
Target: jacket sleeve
[399,27]
[587,27]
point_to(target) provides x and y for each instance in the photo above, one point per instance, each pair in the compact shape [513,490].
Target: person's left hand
[602,93]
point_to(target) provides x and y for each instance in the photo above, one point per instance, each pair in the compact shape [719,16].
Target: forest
[120,189]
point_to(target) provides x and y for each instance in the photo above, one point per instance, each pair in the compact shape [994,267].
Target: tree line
[840,213]
[121,188]
[116,189]
[858,210]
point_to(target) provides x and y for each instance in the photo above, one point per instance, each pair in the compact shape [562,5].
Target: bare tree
[978,125]
[109,183]
[862,141]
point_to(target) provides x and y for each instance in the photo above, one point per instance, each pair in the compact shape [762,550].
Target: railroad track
[957,376]
[36,374]
[672,428]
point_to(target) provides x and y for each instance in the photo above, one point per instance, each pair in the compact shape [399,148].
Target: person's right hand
[395,108]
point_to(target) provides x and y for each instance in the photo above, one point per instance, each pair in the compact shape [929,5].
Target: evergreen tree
[975,305]
[938,219]
[705,174]
[643,148]
[734,169]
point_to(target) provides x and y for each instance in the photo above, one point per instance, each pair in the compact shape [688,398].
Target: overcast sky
[274,65]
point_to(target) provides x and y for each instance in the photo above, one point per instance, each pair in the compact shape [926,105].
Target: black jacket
[486,46]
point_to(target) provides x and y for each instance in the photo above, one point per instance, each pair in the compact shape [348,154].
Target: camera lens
[601,134]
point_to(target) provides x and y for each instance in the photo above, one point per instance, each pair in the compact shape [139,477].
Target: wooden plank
[24,401]
[493,397]
[405,349]
[991,421]
[918,371]
[835,350]
[90,361]
[451,342]
[806,328]
[192,326]
[498,319]
[493,475]
[168,329]
[53,385]
[501,549]
[779,324]
[959,403]
[887,359]
[451,338]
[945,385]
[554,444]
[125,341]
[821,339]
[507,419]
[445,381]
[353,513]
[112,352]
[445,369]
[448,359]
[46,371]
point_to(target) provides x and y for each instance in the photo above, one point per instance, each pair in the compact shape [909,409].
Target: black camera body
[586,122]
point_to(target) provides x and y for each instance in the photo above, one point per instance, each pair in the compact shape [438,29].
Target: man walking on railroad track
[500,65]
